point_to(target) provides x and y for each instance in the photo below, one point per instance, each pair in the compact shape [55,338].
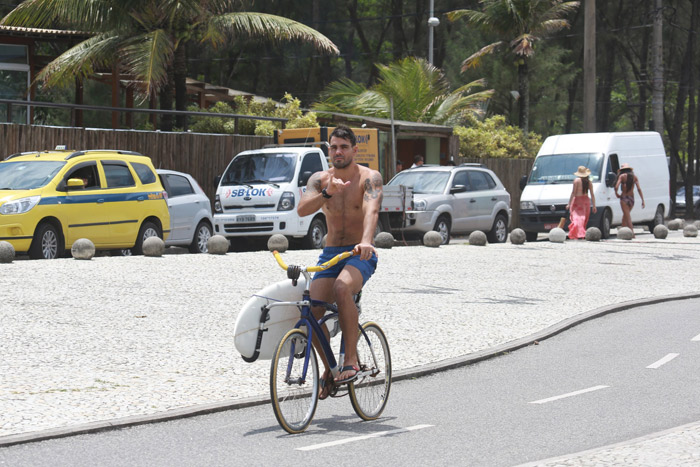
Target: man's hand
[365,250]
[336,185]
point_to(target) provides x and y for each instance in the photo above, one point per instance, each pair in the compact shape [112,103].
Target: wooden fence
[204,156]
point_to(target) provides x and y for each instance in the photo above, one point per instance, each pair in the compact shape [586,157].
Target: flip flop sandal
[326,384]
[349,379]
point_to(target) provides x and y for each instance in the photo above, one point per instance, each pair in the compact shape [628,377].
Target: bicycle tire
[294,400]
[369,394]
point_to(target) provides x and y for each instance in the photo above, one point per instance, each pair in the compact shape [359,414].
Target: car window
[177,185]
[27,175]
[480,181]
[144,173]
[117,175]
[461,178]
[260,167]
[422,181]
[87,173]
[560,168]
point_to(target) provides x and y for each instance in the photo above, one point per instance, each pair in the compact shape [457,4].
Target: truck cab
[259,191]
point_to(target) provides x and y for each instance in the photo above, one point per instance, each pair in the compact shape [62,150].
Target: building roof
[400,126]
[40,33]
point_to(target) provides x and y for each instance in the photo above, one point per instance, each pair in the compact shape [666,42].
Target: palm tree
[520,23]
[148,38]
[419,90]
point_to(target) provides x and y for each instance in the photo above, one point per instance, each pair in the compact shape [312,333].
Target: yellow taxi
[49,199]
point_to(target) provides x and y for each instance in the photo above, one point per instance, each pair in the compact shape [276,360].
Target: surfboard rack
[264,316]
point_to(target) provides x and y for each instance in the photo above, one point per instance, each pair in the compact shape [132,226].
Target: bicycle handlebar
[330,263]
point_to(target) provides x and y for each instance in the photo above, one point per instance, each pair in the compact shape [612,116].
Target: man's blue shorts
[366,268]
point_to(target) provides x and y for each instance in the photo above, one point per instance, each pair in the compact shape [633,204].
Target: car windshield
[27,175]
[681,191]
[260,168]
[560,168]
[422,181]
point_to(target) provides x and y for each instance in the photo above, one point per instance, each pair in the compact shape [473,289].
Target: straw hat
[625,167]
[582,171]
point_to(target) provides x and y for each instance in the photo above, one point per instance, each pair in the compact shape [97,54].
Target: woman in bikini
[580,204]
[627,180]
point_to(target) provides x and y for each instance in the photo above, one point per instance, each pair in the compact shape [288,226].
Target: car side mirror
[458,189]
[610,178]
[523,182]
[217,179]
[75,184]
[304,178]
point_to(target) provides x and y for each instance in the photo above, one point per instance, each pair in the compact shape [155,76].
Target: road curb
[416,372]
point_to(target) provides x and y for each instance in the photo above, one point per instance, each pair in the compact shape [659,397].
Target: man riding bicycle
[350,196]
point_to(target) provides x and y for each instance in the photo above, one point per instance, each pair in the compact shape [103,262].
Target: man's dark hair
[417,158]
[344,132]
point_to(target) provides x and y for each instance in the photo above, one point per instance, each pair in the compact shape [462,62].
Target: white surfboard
[282,318]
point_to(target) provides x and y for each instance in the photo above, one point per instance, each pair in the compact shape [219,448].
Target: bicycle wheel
[294,395]
[369,393]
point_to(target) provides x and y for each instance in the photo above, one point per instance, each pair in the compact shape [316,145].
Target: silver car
[456,200]
[190,211]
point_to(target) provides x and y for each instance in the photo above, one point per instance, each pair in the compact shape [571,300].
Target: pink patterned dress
[580,211]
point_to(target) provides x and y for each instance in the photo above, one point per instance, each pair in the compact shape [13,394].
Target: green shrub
[494,138]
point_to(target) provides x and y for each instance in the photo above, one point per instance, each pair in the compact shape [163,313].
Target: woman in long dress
[580,204]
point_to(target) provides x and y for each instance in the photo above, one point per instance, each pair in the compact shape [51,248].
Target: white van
[258,195]
[547,190]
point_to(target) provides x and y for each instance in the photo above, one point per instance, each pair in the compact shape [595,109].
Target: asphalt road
[605,381]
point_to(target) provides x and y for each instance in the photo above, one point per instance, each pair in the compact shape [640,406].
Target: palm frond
[147,57]
[474,60]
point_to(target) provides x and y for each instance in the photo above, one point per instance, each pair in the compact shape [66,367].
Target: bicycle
[294,373]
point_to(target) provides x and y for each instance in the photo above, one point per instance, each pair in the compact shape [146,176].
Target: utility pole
[433,22]
[589,72]
[657,67]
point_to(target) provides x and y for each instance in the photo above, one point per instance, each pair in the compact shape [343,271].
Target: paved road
[608,380]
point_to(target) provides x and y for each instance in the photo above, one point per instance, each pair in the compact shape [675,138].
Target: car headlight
[286,201]
[217,205]
[527,206]
[420,205]
[19,206]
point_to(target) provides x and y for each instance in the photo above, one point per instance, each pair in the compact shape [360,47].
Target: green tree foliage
[495,138]
[419,91]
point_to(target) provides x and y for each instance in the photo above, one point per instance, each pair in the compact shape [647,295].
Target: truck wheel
[605,223]
[531,236]
[47,242]
[658,218]
[314,239]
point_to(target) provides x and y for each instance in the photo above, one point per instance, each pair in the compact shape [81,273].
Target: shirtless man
[350,196]
[627,181]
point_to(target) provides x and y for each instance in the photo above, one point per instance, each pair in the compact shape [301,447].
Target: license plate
[245,218]
[550,226]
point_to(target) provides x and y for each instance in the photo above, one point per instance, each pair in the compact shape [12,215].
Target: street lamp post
[433,22]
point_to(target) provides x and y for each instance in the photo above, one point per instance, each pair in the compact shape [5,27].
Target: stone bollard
[697,224]
[593,234]
[660,231]
[477,238]
[278,242]
[384,240]
[83,248]
[517,236]
[690,231]
[217,245]
[557,235]
[7,252]
[625,233]
[153,247]
[432,239]
[674,224]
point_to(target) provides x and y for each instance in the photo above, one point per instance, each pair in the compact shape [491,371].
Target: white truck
[259,192]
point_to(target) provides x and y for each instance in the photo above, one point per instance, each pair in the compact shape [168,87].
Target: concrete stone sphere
[278,242]
[690,231]
[557,235]
[384,240]
[477,238]
[517,236]
[432,239]
[660,231]
[217,245]
[674,224]
[625,233]
[153,246]
[593,234]
[83,248]
[7,252]
[696,224]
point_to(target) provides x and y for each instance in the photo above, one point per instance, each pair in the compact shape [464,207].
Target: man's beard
[341,165]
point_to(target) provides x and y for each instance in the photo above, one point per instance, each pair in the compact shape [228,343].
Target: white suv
[456,200]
